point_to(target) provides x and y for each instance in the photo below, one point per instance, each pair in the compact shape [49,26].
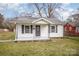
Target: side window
[22,28]
[77,29]
[26,29]
[52,28]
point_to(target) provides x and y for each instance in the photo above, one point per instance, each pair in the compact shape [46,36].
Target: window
[52,28]
[77,29]
[26,29]
[22,28]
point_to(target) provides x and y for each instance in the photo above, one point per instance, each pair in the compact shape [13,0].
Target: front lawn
[58,47]
[48,48]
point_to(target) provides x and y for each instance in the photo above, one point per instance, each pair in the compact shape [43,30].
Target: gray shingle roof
[31,19]
[74,23]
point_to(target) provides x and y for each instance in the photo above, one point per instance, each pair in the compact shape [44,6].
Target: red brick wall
[70,30]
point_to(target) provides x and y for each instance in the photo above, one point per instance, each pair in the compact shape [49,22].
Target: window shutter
[49,28]
[22,28]
[31,28]
[56,28]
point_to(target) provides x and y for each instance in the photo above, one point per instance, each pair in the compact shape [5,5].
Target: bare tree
[74,18]
[1,18]
[47,9]
[39,8]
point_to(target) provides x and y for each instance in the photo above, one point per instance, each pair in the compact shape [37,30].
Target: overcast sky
[11,10]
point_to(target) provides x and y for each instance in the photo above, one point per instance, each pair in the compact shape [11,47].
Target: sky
[10,10]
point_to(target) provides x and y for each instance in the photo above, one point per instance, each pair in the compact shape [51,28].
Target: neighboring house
[38,28]
[71,28]
[4,30]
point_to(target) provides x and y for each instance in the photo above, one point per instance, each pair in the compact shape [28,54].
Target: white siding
[32,36]
[59,32]
[21,35]
[44,35]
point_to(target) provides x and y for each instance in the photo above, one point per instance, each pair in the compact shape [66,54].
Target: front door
[37,30]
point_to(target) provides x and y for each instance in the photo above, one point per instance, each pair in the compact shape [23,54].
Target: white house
[29,28]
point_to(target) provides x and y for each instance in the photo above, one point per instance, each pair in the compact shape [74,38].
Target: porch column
[34,31]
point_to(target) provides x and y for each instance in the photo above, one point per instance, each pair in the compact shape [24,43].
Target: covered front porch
[40,32]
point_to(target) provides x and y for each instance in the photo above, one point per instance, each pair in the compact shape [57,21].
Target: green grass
[74,38]
[7,36]
[49,48]
[69,46]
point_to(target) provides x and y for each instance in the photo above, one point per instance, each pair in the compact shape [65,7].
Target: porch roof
[32,19]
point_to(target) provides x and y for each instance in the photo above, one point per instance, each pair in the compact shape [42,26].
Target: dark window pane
[37,30]
[26,29]
[22,28]
[52,28]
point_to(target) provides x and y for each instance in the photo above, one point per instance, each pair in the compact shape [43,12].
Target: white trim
[42,19]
